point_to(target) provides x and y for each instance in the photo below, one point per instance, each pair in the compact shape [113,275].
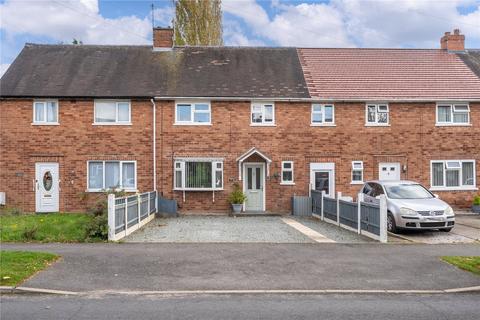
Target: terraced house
[191,122]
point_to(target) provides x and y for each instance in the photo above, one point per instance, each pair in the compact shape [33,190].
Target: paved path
[220,229]
[291,307]
[158,266]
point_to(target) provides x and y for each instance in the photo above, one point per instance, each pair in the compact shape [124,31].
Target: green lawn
[17,266]
[471,264]
[51,227]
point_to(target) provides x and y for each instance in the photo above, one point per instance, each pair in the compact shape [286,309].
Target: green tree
[198,22]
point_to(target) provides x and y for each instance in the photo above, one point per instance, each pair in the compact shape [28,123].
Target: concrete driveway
[256,229]
[466,230]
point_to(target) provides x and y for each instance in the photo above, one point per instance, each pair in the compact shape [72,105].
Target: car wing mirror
[436,196]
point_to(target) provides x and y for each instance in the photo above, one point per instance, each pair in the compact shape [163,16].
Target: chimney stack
[453,42]
[162,38]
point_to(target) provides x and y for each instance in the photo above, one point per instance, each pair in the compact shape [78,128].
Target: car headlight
[449,211]
[407,212]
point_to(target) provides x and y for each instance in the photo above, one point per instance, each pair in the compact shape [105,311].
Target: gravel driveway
[240,230]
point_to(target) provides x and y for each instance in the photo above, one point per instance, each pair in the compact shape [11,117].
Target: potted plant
[237,198]
[476,204]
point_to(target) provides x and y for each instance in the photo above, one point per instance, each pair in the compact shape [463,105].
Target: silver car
[410,205]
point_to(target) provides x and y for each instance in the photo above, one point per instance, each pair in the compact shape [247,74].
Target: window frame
[263,123]
[45,122]
[291,169]
[323,123]
[192,113]
[356,169]
[452,106]
[460,175]
[116,122]
[376,123]
[120,162]
[183,161]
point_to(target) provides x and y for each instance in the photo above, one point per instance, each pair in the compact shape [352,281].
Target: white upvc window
[287,172]
[357,172]
[198,174]
[453,175]
[45,112]
[377,114]
[112,112]
[456,114]
[111,175]
[262,114]
[323,114]
[193,113]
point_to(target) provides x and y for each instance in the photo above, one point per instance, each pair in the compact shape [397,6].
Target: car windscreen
[407,191]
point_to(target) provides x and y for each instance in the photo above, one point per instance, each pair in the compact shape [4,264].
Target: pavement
[308,266]
[257,229]
[291,307]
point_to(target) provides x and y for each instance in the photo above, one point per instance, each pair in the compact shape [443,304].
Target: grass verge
[51,227]
[17,266]
[471,264]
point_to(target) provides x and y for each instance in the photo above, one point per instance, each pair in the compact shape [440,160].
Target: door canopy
[248,154]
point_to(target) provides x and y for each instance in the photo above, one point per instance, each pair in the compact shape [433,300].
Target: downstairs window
[104,175]
[453,174]
[198,174]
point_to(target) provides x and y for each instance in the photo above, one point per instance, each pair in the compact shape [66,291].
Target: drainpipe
[154,145]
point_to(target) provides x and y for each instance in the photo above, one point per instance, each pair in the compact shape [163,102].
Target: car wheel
[446,229]
[391,226]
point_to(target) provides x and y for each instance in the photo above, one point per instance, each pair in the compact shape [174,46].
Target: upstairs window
[198,174]
[377,114]
[453,114]
[112,112]
[357,172]
[262,114]
[453,174]
[45,112]
[323,114]
[193,113]
[104,175]
[287,172]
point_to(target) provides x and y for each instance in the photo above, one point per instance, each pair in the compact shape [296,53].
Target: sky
[300,23]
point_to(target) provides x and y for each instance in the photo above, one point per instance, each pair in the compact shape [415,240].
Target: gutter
[154,108]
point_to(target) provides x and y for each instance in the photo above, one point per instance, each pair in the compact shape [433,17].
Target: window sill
[287,183]
[111,124]
[45,124]
[262,125]
[357,182]
[192,124]
[199,189]
[322,125]
[453,124]
[453,189]
[376,125]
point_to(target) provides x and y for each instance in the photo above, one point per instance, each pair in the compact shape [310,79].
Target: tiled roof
[138,71]
[387,74]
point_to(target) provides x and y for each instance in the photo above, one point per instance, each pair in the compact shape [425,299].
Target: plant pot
[237,208]
[476,208]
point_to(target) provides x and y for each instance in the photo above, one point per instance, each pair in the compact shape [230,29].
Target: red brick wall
[71,144]
[412,139]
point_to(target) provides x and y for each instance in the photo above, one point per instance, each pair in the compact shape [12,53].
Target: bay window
[198,174]
[105,175]
[453,174]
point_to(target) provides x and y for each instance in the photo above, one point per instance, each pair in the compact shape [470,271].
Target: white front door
[389,171]
[322,177]
[46,187]
[254,184]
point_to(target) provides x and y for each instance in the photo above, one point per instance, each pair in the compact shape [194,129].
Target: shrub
[476,201]
[237,196]
[98,227]
[30,233]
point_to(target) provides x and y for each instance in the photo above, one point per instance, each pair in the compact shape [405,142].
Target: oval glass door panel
[47,181]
